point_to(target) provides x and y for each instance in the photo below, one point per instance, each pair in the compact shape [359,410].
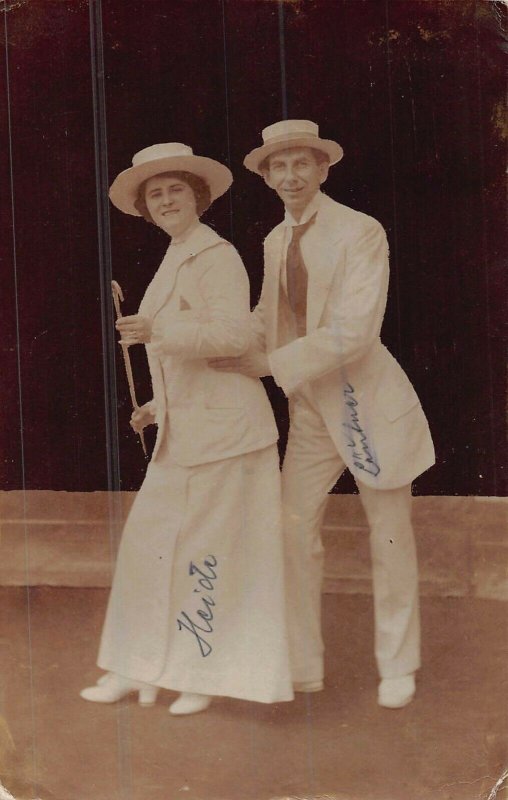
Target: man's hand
[254,364]
[134,329]
[142,417]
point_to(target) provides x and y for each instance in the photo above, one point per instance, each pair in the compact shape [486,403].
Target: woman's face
[171,203]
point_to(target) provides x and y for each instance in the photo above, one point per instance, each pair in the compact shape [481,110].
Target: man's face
[171,204]
[296,177]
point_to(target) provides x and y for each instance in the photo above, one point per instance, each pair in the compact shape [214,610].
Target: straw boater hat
[291,133]
[168,157]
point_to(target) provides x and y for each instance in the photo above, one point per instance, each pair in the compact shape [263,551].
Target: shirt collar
[308,212]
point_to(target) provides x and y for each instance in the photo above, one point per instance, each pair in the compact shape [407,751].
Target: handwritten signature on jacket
[362,455]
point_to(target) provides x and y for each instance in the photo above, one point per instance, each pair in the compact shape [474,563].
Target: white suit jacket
[367,402]
[202,311]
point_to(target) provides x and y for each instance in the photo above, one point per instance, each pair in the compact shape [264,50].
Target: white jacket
[202,312]
[367,402]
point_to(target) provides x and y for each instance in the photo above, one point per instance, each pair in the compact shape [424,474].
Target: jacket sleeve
[257,323]
[260,314]
[358,303]
[225,331]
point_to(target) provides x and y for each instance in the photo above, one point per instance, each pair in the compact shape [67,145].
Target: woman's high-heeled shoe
[189,703]
[111,687]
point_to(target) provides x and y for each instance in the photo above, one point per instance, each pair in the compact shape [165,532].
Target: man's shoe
[396,692]
[308,686]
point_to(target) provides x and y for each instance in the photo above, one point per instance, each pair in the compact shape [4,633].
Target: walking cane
[117,298]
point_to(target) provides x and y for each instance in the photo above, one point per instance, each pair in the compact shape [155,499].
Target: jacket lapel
[321,257]
[201,239]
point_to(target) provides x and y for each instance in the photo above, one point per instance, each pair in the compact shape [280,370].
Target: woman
[197,602]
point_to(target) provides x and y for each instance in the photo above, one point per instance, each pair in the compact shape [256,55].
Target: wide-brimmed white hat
[168,157]
[291,133]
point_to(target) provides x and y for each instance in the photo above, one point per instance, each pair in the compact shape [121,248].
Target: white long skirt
[197,602]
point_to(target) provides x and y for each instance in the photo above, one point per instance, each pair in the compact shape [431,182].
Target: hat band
[284,137]
[157,152]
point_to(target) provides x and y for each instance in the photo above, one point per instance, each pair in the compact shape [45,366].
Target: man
[316,331]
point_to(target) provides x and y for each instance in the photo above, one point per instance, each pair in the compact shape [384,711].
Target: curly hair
[198,185]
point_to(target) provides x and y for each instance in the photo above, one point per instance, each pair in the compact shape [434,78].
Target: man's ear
[266,178]
[324,168]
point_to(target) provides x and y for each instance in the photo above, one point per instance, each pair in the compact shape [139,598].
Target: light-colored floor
[449,744]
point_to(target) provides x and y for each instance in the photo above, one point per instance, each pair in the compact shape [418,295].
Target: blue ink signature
[205,614]
[362,456]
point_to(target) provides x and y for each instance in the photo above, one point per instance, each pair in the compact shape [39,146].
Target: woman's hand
[134,329]
[142,417]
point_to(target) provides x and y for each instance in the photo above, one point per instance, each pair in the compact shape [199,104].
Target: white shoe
[308,686]
[396,692]
[111,687]
[189,703]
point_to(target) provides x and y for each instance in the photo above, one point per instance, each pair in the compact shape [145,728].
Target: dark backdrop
[413,92]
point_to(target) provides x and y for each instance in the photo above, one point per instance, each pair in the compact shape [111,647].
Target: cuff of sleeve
[277,372]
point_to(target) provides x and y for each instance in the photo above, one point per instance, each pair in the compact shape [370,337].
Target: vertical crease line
[394,194]
[282,60]
[104,248]
[33,779]
[485,264]
[228,136]
[108,341]
[310,741]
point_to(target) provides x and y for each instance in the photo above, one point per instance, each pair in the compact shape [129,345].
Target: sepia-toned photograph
[253,497]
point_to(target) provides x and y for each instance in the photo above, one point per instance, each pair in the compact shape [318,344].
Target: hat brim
[333,150]
[124,189]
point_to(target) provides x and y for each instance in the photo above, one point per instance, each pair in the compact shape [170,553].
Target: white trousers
[311,468]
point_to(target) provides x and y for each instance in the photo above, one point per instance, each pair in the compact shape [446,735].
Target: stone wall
[70,538]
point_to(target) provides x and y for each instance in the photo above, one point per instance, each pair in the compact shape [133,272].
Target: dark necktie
[296,276]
